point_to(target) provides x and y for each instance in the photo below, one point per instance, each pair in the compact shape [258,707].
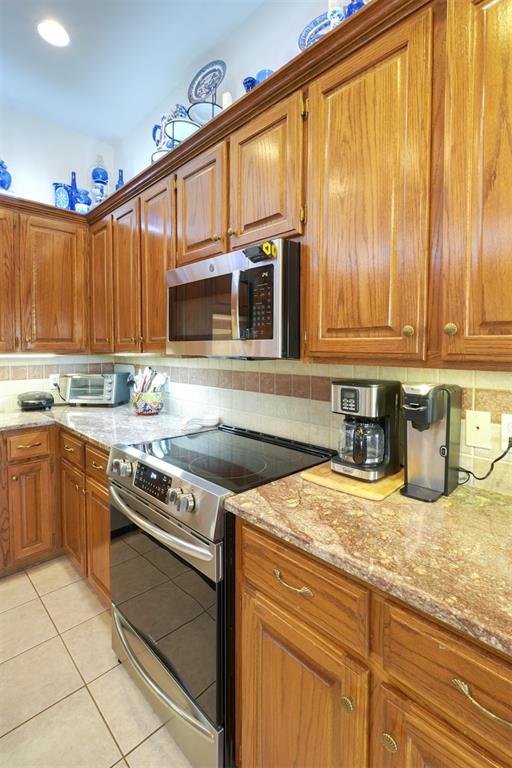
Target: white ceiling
[125,56]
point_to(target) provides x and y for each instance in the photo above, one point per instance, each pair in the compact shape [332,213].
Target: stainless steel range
[172,575]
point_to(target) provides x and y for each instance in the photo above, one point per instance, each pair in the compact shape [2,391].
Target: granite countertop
[451,559]
[102,426]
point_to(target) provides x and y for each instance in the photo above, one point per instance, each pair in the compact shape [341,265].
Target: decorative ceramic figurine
[82,201]
[99,178]
[353,7]
[120,179]
[5,176]
[336,14]
[249,83]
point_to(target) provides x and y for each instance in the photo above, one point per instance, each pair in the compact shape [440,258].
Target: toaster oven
[95,388]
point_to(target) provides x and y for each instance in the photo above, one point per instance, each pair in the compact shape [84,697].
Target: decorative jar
[148,403]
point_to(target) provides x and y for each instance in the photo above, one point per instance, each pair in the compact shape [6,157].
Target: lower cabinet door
[406,736]
[30,508]
[301,701]
[98,538]
[73,515]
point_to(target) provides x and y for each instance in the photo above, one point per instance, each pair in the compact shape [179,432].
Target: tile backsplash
[285,398]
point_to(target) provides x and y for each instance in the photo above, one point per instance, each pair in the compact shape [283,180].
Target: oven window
[172,606]
[201,311]
[87,389]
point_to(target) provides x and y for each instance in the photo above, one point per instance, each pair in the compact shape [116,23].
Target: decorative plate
[206,81]
[61,197]
[313,31]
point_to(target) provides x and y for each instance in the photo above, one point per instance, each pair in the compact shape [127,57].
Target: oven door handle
[235,305]
[119,622]
[167,539]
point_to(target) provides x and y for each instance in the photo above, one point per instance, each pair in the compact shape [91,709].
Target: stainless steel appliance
[94,388]
[369,436]
[242,304]
[172,572]
[431,439]
[35,401]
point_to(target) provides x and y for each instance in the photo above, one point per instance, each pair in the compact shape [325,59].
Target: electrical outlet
[478,429]
[506,429]
[54,379]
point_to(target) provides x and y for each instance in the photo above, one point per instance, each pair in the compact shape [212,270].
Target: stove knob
[116,464]
[187,503]
[125,468]
[174,495]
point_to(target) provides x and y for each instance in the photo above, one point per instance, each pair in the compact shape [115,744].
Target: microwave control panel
[260,303]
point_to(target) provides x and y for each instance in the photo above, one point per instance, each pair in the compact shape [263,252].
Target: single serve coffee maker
[431,439]
[369,436]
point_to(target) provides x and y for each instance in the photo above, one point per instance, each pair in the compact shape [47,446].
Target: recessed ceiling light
[53,32]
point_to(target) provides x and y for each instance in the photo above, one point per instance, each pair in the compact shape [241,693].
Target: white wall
[267,41]
[39,152]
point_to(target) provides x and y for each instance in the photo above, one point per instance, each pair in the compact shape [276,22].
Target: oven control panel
[151,481]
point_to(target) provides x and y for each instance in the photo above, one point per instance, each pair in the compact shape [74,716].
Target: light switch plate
[478,429]
[54,379]
[506,429]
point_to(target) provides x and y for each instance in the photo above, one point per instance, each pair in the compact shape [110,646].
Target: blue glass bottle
[120,179]
[73,192]
[5,176]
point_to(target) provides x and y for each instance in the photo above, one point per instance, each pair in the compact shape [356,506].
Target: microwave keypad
[262,302]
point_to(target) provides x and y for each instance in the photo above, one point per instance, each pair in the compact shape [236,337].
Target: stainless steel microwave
[243,304]
[95,388]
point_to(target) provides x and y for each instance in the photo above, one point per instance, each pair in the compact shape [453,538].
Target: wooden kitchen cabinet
[73,515]
[477,273]
[126,260]
[98,538]
[405,736]
[157,256]
[8,257]
[201,206]
[53,292]
[265,175]
[31,511]
[368,205]
[101,290]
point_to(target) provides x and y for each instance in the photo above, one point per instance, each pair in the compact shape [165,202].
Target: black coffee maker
[369,437]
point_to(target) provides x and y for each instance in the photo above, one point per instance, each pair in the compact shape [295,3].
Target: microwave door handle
[167,539]
[235,304]
[152,685]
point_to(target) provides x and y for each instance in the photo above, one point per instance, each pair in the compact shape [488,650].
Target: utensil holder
[148,403]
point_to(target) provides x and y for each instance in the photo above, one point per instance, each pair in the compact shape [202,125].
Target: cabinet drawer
[326,601]
[28,445]
[96,464]
[72,449]
[429,660]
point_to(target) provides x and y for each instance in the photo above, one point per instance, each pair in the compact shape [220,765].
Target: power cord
[470,474]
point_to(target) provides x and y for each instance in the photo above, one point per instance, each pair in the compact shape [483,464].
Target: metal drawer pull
[30,445]
[14,478]
[97,466]
[347,703]
[464,688]
[306,591]
[389,743]
[69,449]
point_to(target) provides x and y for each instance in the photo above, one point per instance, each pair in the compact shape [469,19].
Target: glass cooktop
[236,459]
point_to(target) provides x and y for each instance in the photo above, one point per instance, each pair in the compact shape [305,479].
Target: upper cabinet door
[101,288]
[202,206]
[266,161]
[157,256]
[126,257]
[8,221]
[53,285]
[477,276]
[369,159]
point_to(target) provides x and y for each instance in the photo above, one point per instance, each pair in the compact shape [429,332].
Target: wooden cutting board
[381,489]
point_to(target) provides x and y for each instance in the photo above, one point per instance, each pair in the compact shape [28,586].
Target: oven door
[86,389]
[227,306]
[168,618]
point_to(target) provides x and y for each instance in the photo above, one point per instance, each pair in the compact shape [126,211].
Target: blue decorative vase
[249,83]
[74,191]
[5,176]
[99,175]
[82,201]
[120,180]
[353,7]
[263,74]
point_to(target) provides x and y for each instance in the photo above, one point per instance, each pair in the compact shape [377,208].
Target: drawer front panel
[324,599]
[469,686]
[71,449]
[28,445]
[96,464]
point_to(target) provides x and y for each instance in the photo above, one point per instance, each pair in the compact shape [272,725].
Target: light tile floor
[65,701]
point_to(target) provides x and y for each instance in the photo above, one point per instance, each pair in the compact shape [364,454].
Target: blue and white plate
[206,81]
[313,31]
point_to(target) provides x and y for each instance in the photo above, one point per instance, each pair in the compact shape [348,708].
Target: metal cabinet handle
[306,591]
[97,466]
[389,742]
[347,703]
[14,478]
[28,341]
[29,445]
[463,687]
[408,330]
[119,623]
[215,238]
[230,232]
[80,490]
[450,329]
[69,449]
